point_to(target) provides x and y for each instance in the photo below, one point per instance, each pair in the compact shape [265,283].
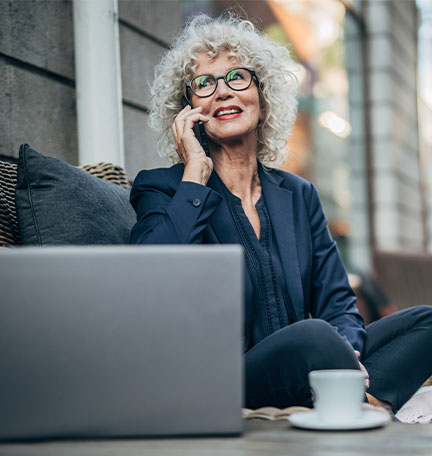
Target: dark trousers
[397,356]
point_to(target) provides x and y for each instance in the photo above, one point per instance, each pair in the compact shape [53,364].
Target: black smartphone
[198,128]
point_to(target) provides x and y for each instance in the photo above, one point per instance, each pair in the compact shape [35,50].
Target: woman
[240,85]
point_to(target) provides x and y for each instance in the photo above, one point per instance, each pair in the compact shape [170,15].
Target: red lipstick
[228,115]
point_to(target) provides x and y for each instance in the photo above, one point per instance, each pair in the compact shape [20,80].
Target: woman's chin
[233,138]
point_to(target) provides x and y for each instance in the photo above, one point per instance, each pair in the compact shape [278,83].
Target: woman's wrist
[198,173]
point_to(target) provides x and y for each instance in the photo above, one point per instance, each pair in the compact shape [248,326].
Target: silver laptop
[120,341]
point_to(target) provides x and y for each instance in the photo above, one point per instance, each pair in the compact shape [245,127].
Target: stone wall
[37,92]
[146,29]
[37,76]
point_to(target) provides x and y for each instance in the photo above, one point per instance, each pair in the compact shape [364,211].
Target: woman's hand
[198,167]
[367,381]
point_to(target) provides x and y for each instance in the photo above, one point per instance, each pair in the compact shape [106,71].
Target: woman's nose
[223,91]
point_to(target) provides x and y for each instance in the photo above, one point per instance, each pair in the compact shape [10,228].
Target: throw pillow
[59,204]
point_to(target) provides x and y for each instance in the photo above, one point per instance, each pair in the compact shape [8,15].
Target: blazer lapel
[221,221]
[279,203]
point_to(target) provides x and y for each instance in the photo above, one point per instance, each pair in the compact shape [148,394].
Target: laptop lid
[121,341]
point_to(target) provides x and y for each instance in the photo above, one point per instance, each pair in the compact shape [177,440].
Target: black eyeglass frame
[254,78]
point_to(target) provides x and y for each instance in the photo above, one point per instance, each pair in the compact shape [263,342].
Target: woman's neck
[238,169]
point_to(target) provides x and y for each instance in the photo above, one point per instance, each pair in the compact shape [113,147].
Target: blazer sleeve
[169,215]
[332,298]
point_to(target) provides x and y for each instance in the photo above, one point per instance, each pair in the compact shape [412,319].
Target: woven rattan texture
[9,235]
[108,172]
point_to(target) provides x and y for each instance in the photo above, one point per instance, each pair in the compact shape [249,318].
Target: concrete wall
[392,67]
[37,86]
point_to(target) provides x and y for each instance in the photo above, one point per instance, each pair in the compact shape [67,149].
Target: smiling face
[233,114]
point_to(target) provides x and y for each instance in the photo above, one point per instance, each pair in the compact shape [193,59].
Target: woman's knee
[314,339]
[420,314]
[316,332]
[425,311]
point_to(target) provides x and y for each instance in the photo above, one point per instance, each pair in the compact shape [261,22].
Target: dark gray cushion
[59,204]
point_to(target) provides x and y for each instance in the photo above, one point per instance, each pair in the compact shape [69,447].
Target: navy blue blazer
[173,212]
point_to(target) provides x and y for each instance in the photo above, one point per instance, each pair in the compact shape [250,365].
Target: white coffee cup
[337,394]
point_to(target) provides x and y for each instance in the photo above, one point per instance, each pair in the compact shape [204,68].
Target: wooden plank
[260,438]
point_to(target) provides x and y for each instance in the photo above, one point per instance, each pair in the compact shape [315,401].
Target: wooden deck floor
[260,438]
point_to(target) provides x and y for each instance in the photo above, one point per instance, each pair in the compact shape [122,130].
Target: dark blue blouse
[271,307]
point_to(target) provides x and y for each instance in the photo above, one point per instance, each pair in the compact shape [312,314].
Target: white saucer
[368,419]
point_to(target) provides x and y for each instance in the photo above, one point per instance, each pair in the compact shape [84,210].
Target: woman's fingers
[186,143]
[363,369]
[198,167]
[367,380]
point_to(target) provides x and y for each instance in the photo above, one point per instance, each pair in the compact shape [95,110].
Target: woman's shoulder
[301,189]
[289,180]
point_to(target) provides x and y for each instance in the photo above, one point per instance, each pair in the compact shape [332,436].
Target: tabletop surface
[260,438]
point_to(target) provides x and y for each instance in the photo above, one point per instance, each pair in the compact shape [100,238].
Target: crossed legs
[396,355]
[278,366]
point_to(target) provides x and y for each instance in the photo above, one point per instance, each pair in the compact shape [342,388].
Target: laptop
[124,341]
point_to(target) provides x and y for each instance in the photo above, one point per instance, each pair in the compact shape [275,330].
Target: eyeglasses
[205,85]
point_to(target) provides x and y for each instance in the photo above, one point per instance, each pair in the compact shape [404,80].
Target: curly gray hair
[271,62]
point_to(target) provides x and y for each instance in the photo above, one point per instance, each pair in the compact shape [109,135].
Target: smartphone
[198,128]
